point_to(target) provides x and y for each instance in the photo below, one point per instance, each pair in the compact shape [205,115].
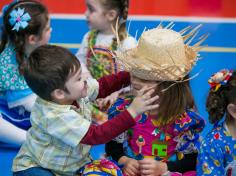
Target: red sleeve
[111,83]
[104,133]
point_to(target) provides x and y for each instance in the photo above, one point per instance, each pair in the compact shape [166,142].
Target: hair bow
[219,79]
[19,19]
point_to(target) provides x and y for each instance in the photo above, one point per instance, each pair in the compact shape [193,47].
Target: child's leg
[34,171]
[11,134]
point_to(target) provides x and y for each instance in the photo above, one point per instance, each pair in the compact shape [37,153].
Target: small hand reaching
[131,166]
[143,102]
[151,167]
[104,103]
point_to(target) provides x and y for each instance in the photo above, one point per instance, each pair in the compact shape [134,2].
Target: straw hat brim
[144,68]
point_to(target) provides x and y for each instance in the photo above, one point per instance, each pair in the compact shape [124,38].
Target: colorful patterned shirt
[10,78]
[217,154]
[149,139]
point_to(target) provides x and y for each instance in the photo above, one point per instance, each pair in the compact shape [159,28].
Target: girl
[163,140]
[94,53]
[217,154]
[26,25]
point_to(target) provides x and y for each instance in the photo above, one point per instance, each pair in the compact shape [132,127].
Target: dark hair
[39,19]
[217,101]
[48,68]
[122,7]
[174,100]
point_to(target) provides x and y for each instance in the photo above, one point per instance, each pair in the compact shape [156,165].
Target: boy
[62,134]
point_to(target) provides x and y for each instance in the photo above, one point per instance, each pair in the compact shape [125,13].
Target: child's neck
[231,124]
[106,31]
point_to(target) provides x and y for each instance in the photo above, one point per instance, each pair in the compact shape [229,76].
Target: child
[26,25]
[217,153]
[94,53]
[61,134]
[166,139]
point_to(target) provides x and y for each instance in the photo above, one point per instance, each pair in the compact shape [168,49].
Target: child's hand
[143,102]
[131,166]
[109,100]
[151,167]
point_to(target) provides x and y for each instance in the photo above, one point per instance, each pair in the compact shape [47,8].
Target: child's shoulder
[129,42]
[120,105]
[217,134]
[189,120]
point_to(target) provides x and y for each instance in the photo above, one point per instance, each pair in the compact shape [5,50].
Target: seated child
[217,154]
[61,134]
[163,141]
[26,25]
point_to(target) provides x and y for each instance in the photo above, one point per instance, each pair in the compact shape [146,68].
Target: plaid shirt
[53,141]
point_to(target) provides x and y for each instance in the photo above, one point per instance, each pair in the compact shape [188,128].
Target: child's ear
[232,110]
[58,94]
[111,15]
[32,39]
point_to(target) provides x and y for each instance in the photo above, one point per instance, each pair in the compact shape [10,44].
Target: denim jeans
[34,171]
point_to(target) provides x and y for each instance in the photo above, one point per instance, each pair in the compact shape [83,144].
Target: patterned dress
[14,92]
[217,153]
[99,58]
[163,143]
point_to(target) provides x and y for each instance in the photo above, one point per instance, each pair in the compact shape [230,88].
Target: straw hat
[161,54]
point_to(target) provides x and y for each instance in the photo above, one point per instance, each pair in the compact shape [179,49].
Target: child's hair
[48,68]
[38,20]
[122,7]
[217,101]
[175,98]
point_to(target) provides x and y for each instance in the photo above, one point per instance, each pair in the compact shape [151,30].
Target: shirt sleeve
[107,131]
[70,127]
[111,83]
[82,52]
[188,128]
[128,43]
[210,158]
[93,88]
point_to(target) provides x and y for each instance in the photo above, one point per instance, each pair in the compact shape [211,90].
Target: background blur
[217,16]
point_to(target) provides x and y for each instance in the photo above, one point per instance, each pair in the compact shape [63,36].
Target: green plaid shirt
[53,141]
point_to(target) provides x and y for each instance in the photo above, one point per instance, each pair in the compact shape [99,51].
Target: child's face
[46,35]
[76,86]
[35,41]
[137,84]
[95,15]
[232,110]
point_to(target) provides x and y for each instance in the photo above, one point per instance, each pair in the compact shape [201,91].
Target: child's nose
[86,13]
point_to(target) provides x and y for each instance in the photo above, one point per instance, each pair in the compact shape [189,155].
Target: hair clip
[19,19]
[219,79]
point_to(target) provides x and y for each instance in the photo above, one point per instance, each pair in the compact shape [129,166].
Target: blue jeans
[34,171]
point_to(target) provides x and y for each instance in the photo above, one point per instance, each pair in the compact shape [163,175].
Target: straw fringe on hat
[161,54]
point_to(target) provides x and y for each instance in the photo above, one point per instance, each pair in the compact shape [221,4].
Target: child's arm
[112,83]
[123,121]
[107,131]
[11,134]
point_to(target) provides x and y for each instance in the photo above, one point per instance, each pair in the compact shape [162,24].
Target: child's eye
[90,8]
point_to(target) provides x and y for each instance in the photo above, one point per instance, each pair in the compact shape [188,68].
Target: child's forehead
[75,72]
